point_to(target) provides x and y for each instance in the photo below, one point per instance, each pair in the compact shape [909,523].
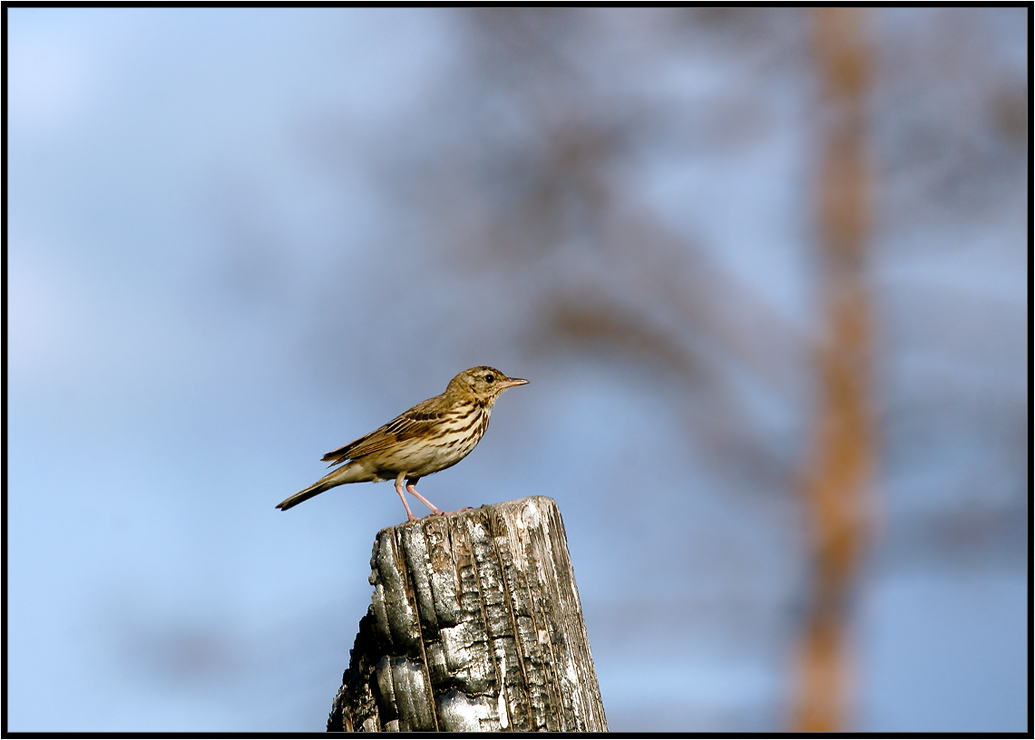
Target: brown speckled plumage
[432,436]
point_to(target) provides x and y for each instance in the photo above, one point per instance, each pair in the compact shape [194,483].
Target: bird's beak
[512,382]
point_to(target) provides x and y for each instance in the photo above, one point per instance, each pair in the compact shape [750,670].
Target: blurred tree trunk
[836,486]
[475,626]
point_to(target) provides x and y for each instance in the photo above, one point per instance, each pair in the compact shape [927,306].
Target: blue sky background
[239,238]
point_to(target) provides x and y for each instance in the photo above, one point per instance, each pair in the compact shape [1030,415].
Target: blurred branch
[545,189]
[836,484]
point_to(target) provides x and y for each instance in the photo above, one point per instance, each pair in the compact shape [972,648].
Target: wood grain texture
[475,625]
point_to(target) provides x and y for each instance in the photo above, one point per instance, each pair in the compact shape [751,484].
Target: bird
[433,435]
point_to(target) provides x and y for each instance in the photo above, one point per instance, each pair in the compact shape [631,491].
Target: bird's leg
[399,489]
[434,509]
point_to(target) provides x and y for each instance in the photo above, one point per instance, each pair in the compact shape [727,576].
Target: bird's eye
[489,378]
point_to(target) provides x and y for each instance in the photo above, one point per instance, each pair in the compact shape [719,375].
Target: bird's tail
[332,479]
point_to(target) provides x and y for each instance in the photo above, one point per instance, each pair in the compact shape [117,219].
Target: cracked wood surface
[475,625]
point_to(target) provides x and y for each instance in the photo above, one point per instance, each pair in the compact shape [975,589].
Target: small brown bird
[432,436]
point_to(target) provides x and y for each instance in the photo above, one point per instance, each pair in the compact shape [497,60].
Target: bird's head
[484,383]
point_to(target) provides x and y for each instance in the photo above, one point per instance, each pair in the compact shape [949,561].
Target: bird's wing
[413,423]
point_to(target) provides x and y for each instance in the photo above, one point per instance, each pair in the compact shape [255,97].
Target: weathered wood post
[475,625]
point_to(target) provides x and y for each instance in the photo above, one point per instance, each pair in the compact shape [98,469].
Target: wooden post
[475,625]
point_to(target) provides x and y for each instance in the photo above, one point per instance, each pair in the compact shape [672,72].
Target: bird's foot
[439,512]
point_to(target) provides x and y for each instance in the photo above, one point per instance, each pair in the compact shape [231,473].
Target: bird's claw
[436,512]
